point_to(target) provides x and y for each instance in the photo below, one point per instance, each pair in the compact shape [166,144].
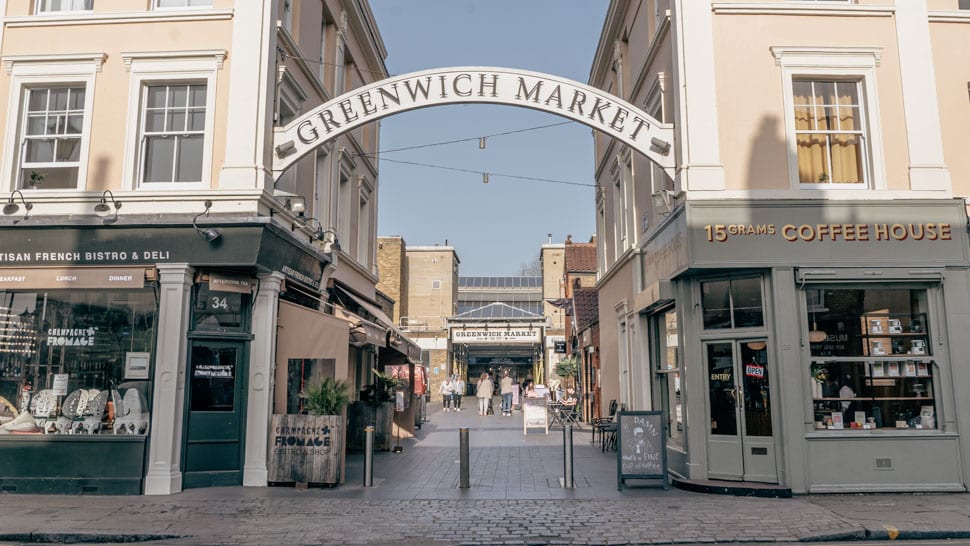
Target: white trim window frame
[153,73]
[47,7]
[79,71]
[843,65]
[160,5]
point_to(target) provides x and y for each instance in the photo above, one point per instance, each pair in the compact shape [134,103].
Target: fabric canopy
[398,341]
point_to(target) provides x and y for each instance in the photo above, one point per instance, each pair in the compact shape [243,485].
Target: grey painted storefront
[799,249]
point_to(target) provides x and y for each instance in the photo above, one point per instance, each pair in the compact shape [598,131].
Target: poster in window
[136,365]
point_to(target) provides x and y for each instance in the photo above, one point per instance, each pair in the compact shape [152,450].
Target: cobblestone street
[515,498]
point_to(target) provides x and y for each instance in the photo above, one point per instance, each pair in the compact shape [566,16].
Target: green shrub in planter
[328,397]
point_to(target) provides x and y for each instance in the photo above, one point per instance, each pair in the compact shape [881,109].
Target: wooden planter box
[307,449]
[380,416]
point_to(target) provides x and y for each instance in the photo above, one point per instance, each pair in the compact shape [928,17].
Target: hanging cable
[481,140]
[456,169]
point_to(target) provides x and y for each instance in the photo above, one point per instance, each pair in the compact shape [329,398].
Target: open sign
[754,370]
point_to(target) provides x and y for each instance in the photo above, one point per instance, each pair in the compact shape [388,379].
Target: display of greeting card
[909,369]
[878,370]
[922,369]
[837,423]
[892,369]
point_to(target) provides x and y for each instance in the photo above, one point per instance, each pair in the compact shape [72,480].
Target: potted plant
[376,408]
[309,447]
[567,368]
[328,397]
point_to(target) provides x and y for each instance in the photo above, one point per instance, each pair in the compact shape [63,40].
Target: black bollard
[368,456]
[463,456]
[567,458]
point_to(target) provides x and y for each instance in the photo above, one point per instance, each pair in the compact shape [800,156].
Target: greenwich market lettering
[570,99]
[719,233]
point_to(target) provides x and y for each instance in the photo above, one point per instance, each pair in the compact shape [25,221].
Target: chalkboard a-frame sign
[641,447]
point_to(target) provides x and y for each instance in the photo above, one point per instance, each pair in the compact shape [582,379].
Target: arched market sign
[469,85]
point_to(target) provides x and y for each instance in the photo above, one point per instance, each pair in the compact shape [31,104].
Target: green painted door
[215,424]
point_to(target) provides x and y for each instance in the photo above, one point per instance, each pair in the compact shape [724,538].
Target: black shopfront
[90,334]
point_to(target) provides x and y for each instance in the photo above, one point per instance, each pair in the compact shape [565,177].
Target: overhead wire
[490,173]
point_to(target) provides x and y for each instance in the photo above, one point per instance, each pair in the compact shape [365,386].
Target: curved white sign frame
[469,85]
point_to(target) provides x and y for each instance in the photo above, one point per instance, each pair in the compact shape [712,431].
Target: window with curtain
[830,132]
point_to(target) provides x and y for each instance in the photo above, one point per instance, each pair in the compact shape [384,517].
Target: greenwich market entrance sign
[466,85]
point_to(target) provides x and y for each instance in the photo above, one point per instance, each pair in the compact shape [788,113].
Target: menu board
[535,418]
[641,447]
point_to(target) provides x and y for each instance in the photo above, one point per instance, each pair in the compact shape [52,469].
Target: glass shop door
[741,444]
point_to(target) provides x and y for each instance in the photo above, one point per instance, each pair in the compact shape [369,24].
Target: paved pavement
[515,498]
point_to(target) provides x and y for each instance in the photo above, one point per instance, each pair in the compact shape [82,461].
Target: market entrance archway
[469,85]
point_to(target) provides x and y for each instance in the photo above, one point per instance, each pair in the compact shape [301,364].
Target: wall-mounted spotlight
[11,207]
[314,226]
[293,202]
[664,200]
[661,145]
[102,209]
[209,234]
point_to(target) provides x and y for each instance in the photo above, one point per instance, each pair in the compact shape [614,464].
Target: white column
[262,369]
[921,109]
[168,398]
[252,86]
[695,101]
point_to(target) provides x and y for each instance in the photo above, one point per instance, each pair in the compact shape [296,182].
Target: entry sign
[641,447]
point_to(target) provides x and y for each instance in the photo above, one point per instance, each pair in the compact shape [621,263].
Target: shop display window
[669,374]
[76,361]
[871,366]
[732,303]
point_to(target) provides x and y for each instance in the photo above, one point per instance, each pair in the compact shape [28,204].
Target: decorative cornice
[218,55]
[785,55]
[63,19]
[97,59]
[802,8]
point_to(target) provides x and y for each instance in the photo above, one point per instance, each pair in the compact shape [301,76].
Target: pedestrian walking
[505,387]
[445,390]
[483,391]
[458,390]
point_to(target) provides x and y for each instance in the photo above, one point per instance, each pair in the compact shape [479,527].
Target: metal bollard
[567,459]
[368,456]
[463,457]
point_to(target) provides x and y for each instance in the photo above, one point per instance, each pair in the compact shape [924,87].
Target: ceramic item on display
[24,422]
[878,348]
[895,326]
[95,412]
[130,416]
[918,347]
[876,326]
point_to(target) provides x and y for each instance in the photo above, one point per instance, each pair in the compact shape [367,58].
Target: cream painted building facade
[794,297]
[150,255]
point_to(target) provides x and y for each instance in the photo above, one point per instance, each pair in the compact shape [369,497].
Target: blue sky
[499,226]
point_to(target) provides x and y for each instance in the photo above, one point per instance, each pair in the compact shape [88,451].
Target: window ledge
[802,8]
[885,433]
[950,16]
[89,18]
